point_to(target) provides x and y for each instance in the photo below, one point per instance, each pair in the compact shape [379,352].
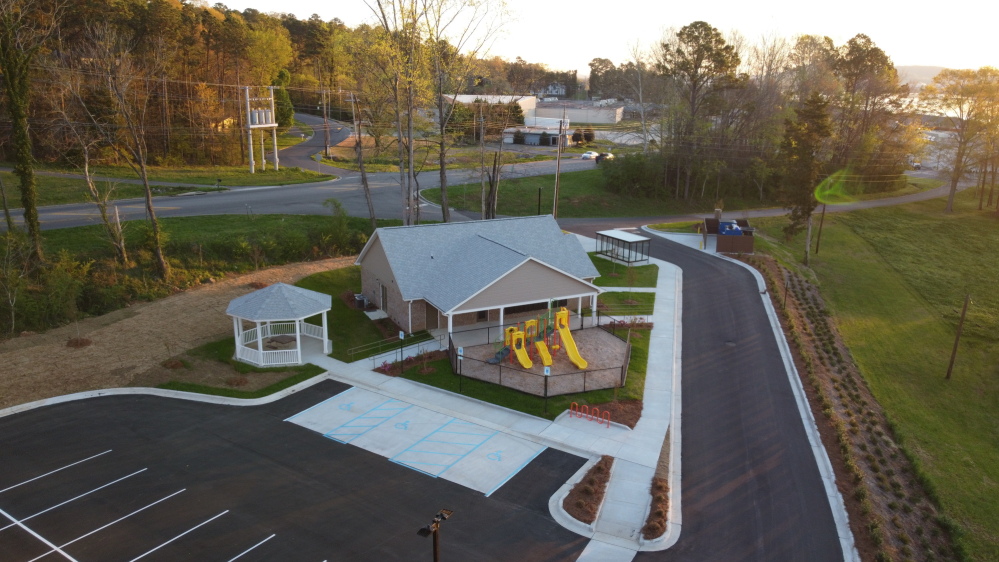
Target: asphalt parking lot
[144,478]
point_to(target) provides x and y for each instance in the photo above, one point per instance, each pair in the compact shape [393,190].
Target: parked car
[604,156]
[589,155]
[917,166]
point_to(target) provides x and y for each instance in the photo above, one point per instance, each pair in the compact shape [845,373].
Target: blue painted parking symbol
[497,456]
[346,406]
[403,425]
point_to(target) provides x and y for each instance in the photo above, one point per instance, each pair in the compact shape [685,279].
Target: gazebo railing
[267,358]
[312,330]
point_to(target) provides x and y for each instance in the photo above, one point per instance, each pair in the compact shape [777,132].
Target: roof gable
[447,263]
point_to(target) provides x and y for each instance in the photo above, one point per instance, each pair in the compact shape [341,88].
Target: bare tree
[117,106]
[72,124]
[457,34]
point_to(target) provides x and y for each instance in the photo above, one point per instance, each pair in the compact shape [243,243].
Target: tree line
[719,116]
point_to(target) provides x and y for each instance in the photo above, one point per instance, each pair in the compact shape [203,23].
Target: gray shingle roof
[279,302]
[446,264]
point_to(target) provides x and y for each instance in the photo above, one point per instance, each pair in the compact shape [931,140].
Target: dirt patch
[129,345]
[655,524]
[626,412]
[585,498]
[207,372]
[891,515]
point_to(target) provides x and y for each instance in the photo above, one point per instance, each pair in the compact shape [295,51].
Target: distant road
[308,198]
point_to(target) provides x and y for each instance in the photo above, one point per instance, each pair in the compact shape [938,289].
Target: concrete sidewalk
[616,533]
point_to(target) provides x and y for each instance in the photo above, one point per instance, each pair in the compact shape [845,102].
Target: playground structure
[540,338]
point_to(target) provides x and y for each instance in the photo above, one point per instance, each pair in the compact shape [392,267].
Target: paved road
[750,484]
[304,199]
[257,476]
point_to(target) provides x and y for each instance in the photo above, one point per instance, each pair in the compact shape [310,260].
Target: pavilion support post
[260,342]
[298,341]
[326,339]
[237,333]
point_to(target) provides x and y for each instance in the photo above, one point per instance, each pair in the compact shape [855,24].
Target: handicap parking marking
[367,421]
[433,443]
[337,410]
[439,451]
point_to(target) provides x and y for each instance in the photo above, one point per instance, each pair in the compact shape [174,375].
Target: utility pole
[558,162]
[482,158]
[822,220]
[957,339]
[326,124]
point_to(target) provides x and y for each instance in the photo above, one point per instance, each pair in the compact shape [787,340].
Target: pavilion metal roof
[279,302]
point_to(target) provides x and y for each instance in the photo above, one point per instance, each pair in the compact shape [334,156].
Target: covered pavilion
[276,316]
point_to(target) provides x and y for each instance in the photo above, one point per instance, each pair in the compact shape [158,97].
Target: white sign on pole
[402,335]
[548,371]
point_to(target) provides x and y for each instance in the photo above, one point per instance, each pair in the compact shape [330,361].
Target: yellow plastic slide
[562,323]
[517,345]
[546,358]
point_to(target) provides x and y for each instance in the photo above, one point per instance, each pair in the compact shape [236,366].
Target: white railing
[267,358]
[248,355]
[249,335]
[312,330]
[277,358]
[280,329]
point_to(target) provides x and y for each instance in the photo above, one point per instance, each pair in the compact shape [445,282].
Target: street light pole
[434,528]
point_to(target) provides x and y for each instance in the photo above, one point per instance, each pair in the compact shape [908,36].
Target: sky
[568,35]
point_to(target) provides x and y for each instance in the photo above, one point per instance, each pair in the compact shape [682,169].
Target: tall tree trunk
[17,85]
[6,207]
[359,148]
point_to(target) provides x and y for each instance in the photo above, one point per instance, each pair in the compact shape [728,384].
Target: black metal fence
[539,384]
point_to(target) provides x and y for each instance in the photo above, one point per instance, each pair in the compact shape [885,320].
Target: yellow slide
[546,358]
[517,345]
[562,323]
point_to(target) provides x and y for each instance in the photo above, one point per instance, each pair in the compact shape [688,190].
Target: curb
[836,503]
[163,393]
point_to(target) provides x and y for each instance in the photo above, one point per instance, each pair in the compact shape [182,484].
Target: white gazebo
[277,314]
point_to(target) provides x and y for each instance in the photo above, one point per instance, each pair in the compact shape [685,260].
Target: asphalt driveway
[138,477]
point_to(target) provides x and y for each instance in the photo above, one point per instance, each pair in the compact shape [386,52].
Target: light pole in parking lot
[434,529]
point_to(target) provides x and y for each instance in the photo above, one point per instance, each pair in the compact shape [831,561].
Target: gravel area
[129,342]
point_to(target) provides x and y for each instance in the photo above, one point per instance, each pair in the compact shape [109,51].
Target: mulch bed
[655,524]
[626,412]
[585,498]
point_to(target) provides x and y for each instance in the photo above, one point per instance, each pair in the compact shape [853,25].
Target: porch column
[502,309]
[298,341]
[593,308]
[326,339]
[449,324]
[579,311]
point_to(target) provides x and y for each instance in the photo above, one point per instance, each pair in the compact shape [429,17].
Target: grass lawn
[222,351]
[895,279]
[581,194]
[624,303]
[58,190]
[88,242]
[444,378]
[613,274]
[348,327]
[681,226]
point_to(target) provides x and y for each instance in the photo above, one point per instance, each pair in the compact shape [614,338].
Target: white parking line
[54,471]
[109,524]
[37,536]
[252,547]
[74,499]
[178,536]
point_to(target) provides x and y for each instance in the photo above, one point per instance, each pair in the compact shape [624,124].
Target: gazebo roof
[279,302]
